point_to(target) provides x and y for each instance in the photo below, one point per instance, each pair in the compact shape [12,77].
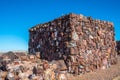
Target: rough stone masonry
[84,43]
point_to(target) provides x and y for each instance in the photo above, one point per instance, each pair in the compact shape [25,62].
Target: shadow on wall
[118,47]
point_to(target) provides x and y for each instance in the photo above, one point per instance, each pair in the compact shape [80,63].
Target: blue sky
[17,16]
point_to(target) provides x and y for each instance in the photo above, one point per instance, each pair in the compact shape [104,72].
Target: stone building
[82,42]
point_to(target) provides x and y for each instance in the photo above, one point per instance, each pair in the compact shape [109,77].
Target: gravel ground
[112,73]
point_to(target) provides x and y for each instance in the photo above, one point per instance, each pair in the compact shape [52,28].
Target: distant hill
[13,54]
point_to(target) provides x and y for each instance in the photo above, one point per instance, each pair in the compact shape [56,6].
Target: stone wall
[83,43]
[118,47]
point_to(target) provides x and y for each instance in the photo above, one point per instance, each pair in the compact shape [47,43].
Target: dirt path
[113,73]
